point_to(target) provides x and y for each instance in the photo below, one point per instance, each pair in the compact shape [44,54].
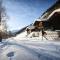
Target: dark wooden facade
[38,25]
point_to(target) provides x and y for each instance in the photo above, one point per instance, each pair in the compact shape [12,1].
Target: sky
[24,12]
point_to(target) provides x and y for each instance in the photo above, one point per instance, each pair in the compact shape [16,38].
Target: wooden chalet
[51,17]
[50,20]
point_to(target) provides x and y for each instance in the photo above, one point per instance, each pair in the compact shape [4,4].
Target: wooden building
[50,19]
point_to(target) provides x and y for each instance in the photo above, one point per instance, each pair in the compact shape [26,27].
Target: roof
[51,9]
[31,27]
[55,11]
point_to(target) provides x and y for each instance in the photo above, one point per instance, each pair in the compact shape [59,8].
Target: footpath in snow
[29,50]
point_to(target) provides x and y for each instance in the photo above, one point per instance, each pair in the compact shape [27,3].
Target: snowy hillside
[21,35]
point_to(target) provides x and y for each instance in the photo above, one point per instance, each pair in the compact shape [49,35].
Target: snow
[32,49]
[51,35]
[57,10]
[22,47]
[21,35]
[44,19]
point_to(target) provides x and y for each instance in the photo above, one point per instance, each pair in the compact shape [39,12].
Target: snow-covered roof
[44,19]
[55,6]
[31,27]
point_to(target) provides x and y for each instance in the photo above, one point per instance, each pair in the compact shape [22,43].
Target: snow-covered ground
[29,49]
[51,35]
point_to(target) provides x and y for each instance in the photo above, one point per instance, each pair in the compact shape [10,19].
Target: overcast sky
[23,12]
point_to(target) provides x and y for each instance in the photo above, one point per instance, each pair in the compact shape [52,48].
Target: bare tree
[3,26]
